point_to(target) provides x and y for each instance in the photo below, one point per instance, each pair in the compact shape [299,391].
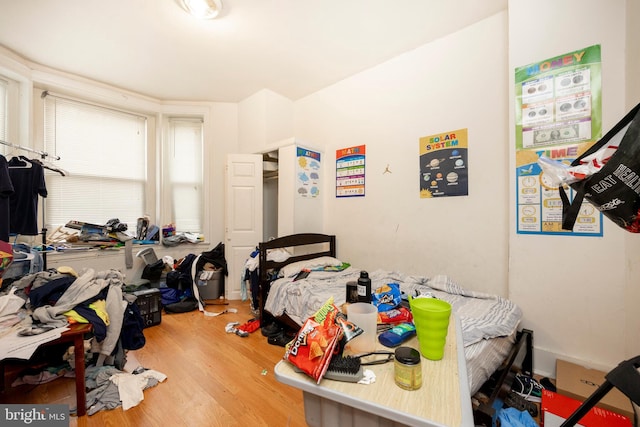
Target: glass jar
[408,370]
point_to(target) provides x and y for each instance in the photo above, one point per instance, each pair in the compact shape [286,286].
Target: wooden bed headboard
[313,241]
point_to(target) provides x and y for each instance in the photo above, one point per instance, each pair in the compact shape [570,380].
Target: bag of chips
[387,297]
[397,315]
[313,347]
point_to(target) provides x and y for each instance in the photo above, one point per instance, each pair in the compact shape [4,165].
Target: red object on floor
[556,408]
[250,326]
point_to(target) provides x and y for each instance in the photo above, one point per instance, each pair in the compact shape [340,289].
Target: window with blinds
[185,176]
[104,152]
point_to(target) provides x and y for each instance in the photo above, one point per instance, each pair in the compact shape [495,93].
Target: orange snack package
[315,342]
[313,347]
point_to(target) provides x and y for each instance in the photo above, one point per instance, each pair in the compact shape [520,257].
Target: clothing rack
[42,154]
[43,231]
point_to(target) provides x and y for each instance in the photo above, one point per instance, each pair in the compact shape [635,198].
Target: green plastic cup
[431,317]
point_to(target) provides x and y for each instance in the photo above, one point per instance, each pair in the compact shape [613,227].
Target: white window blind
[185,157]
[104,152]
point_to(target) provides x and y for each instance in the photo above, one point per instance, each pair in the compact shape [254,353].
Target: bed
[494,348]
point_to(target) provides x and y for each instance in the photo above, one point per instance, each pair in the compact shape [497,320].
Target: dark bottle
[364,287]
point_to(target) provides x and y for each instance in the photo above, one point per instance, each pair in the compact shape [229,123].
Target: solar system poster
[558,115]
[444,165]
[308,173]
[350,167]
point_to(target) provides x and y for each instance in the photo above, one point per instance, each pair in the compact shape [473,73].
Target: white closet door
[243,219]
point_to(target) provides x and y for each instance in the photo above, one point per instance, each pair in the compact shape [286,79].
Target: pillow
[310,264]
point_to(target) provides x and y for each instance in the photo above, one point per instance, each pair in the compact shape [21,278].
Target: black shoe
[271,330]
[281,339]
[547,384]
[514,400]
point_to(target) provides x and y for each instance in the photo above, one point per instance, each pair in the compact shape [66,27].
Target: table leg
[81,394]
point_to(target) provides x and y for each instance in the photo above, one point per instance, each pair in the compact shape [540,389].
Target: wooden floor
[213,378]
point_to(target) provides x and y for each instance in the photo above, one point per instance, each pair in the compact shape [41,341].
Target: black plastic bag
[615,188]
[153,271]
[216,257]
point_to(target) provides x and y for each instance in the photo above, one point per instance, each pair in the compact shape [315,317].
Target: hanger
[51,167]
[19,162]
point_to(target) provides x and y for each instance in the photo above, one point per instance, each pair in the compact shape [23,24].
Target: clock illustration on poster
[547,182]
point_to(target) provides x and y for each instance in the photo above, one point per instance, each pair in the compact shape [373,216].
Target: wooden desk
[443,400]
[74,335]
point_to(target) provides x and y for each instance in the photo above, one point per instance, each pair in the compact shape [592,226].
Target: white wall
[573,290]
[106,260]
[223,141]
[264,118]
[297,214]
[455,82]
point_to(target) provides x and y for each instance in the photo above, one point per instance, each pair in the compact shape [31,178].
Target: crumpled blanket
[482,316]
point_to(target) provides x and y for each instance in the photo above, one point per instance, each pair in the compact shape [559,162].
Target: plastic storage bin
[210,289]
[148,301]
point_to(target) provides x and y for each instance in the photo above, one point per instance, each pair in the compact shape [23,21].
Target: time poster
[558,115]
[443,165]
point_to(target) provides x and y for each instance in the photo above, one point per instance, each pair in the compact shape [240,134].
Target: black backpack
[180,278]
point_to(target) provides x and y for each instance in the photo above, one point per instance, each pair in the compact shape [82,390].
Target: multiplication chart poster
[308,173]
[444,169]
[350,167]
[558,115]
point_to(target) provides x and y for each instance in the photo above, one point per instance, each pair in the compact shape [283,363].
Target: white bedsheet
[482,316]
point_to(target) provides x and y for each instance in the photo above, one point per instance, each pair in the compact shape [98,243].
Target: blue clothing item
[511,417]
[169,296]
[99,327]
[49,293]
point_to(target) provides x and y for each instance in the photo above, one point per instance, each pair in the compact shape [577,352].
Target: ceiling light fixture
[202,9]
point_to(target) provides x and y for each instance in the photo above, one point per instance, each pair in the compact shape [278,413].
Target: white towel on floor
[130,386]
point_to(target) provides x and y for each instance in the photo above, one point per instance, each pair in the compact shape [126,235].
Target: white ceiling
[292,47]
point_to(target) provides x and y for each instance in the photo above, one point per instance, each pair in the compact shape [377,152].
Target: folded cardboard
[580,382]
[556,408]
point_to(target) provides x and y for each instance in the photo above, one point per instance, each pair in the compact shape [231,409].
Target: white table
[443,399]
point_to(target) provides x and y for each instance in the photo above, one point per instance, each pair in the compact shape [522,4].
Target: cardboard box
[556,408]
[579,382]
